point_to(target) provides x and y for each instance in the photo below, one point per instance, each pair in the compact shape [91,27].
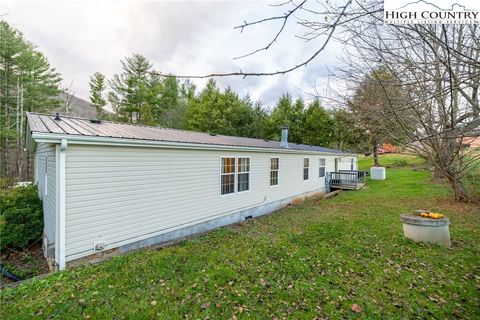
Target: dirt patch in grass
[25,264]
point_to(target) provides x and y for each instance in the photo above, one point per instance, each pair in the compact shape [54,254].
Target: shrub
[21,217]
[400,163]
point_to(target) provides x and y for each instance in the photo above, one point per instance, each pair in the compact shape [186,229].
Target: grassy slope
[316,259]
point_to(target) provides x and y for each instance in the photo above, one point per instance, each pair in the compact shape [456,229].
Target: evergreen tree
[218,112]
[136,91]
[28,83]
[175,117]
[318,125]
[346,135]
[287,112]
[97,87]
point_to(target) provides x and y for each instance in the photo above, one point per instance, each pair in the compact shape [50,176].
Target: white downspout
[61,202]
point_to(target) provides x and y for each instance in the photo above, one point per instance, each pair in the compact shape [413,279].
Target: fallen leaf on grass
[154,302]
[356,308]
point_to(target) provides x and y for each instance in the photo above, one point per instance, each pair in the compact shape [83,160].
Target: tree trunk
[437,174]
[376,163]
[458,189]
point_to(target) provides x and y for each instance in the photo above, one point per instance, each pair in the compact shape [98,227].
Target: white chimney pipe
[284,142]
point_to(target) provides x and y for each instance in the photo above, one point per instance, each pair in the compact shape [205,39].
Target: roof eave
[95,140]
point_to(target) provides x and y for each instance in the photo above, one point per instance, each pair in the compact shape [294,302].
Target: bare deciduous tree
[437,67]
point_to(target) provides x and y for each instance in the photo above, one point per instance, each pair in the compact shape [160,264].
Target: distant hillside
[77,107]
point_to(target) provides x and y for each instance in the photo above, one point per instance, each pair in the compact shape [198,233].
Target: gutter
[95,140]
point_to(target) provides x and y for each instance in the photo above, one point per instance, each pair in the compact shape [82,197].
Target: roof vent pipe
[57,117]
[284,142]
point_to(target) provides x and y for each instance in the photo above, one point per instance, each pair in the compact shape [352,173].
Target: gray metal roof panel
[84,127]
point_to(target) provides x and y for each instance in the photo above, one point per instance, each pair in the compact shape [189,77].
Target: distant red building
[389,148]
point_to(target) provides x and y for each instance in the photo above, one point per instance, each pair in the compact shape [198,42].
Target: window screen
[243,174]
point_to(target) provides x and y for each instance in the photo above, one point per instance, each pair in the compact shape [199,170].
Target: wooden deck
[348,180]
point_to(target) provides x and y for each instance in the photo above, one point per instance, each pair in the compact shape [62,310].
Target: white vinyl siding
[345,163]
[45,172]
[120,195]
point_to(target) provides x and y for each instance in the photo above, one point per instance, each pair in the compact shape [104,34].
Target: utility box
[378,173]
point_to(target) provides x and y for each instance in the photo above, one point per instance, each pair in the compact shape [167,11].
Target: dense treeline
[27,83]
[138,95]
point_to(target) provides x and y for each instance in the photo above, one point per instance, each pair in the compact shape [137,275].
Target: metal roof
[42,123]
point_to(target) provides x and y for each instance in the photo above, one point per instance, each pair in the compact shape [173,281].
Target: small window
[274,171]
[306,163]
[228,176]
[243,174]
[352,164]
[321,167]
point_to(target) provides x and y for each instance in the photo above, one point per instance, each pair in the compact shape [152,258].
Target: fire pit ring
[420,229]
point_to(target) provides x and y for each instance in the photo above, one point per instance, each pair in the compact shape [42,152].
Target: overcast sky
[179,37]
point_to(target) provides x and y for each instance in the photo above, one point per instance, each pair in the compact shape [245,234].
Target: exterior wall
[345,163]
[123,195]
[45,177]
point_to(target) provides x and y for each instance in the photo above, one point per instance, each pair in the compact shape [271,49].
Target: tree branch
[279,72]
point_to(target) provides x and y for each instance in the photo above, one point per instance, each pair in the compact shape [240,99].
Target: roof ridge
[146,126]
[192,136]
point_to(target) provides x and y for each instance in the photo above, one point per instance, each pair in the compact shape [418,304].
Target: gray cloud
[80,38]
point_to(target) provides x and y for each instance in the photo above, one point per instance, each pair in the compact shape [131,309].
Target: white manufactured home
[110,187]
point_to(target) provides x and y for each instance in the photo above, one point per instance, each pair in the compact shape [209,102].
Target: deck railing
[362,175]
[347,179]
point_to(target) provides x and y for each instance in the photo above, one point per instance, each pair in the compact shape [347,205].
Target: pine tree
[317,128]
[28,83]
[136,90]
[97,87]
[287,112]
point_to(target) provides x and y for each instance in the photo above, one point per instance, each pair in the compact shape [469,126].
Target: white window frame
[321,164]
[277,170]
[308,169]
[235,179]
[237,172]
[234,175]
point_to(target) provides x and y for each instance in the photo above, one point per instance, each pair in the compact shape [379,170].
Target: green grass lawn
[313,260]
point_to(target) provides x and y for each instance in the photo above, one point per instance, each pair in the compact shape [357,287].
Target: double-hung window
[306,164]
[321,167]
[243,174]
[235,175]
[274,165]
[228,176]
